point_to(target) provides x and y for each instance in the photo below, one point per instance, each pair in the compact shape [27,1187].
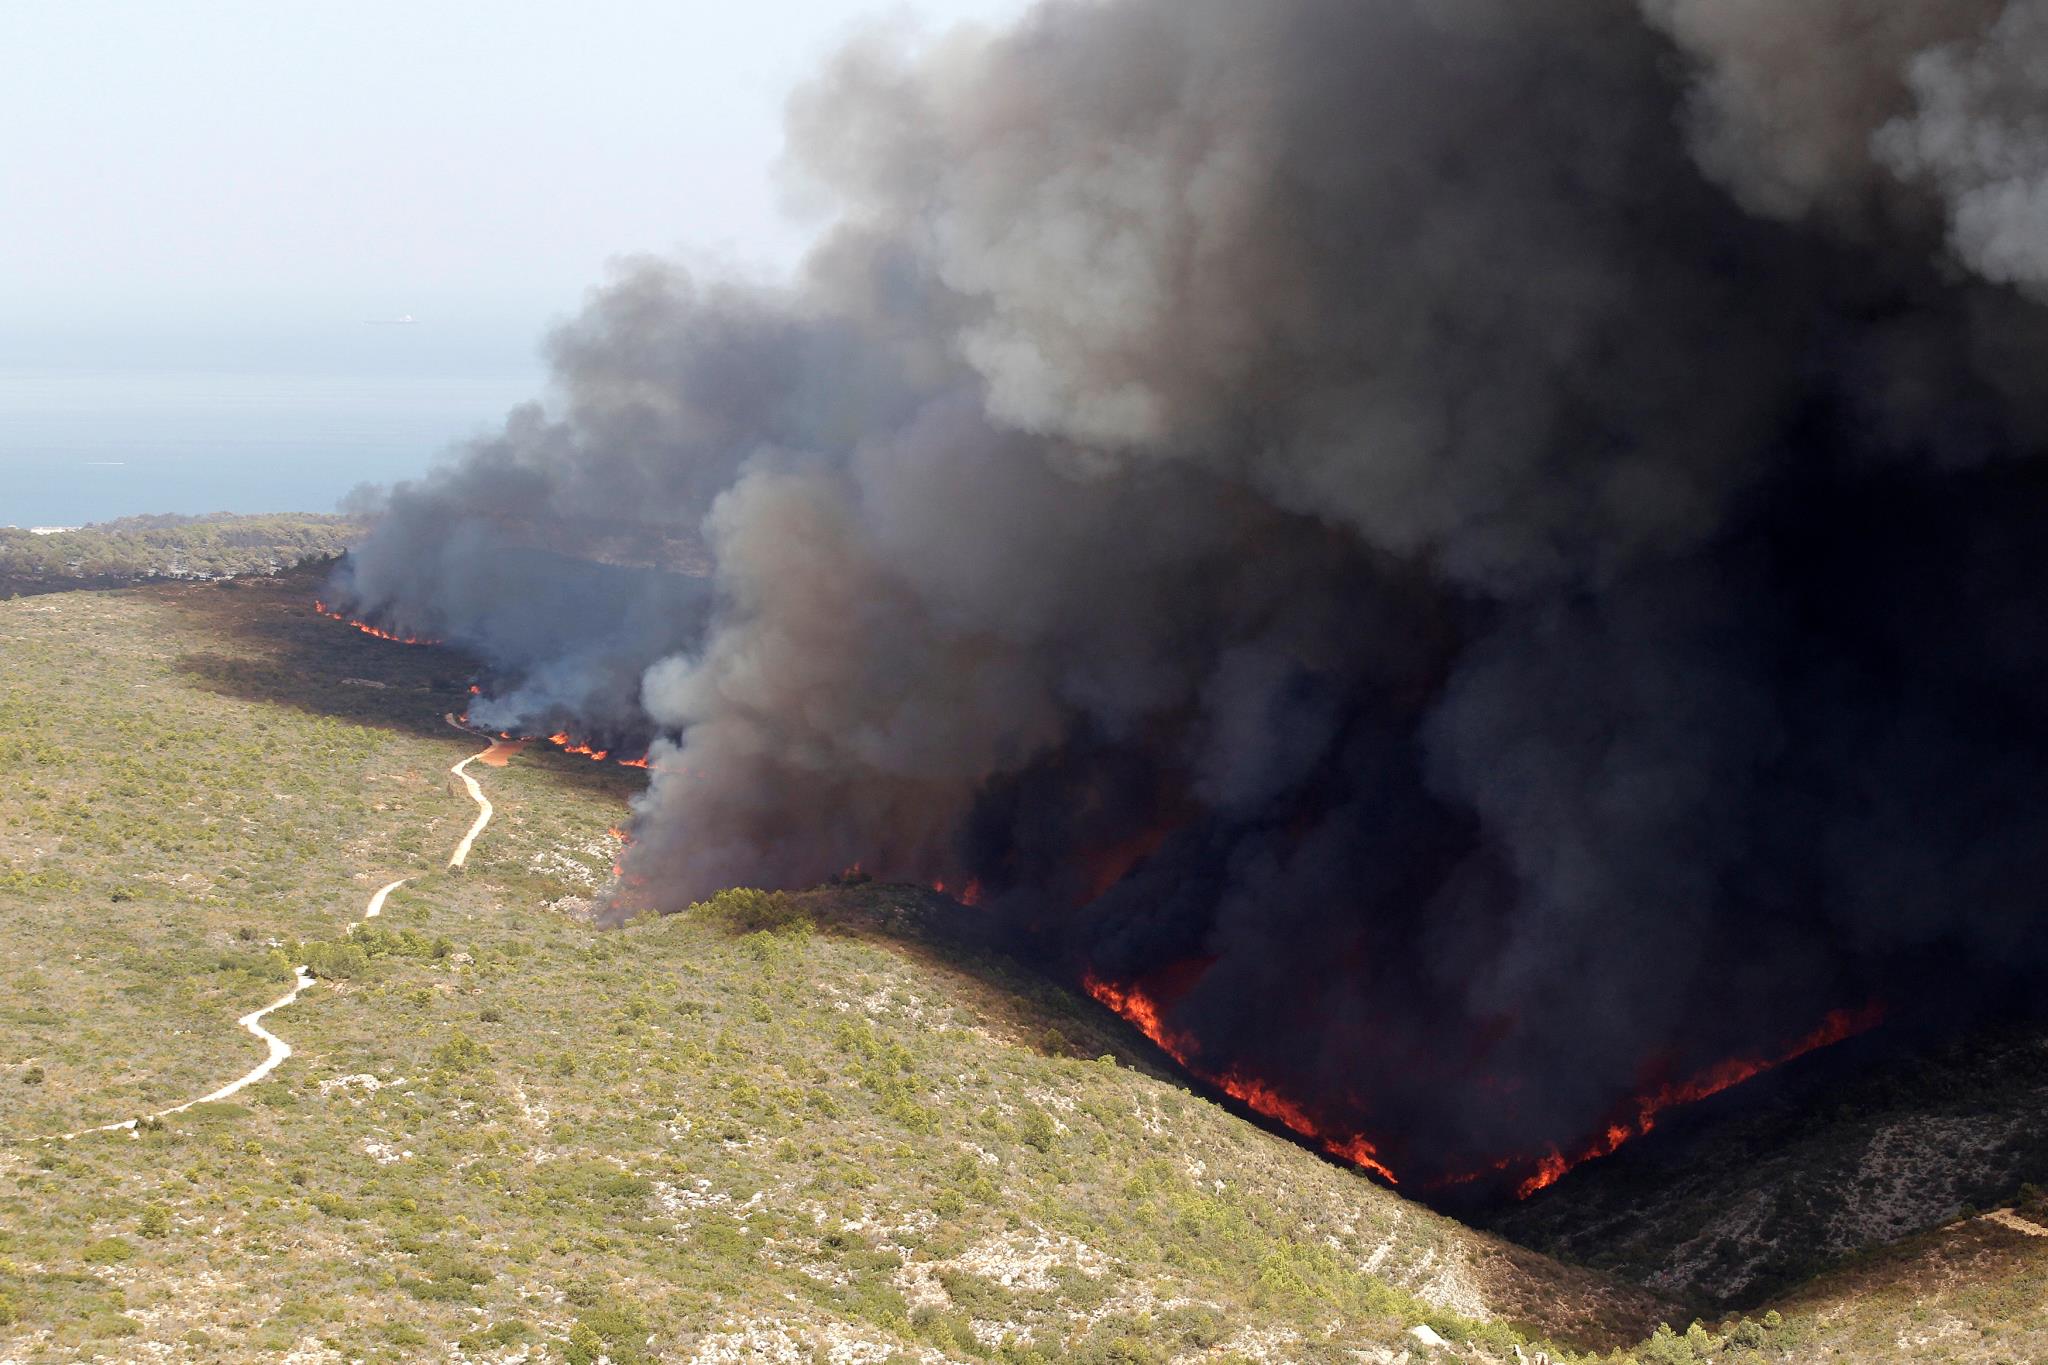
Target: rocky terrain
[1767,1186]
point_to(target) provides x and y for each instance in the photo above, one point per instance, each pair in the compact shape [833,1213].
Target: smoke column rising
[1496,549]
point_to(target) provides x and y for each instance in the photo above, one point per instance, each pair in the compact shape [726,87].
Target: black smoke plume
[1498,546]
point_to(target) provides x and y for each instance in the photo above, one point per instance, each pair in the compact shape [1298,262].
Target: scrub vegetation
[804,1127]
[134,549]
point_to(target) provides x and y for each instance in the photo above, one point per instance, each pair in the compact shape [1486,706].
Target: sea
[83,443]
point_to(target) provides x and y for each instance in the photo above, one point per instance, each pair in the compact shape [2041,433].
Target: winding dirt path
[476,793]
[483,815]
[376,906]
[280,1050]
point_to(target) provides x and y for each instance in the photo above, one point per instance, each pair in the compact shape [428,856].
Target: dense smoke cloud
[1488,548]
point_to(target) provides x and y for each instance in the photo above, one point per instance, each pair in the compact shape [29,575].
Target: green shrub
[112,1325]
[335,961]
[975,1295]
[108,1251]
[437,1291]
[446,1277]
[946,1329]
[1037,1130]
[745,910]
[156,1221]
[1121,1341]
[460,1053]
[510,1332]
[610,1330]
[1666,1347]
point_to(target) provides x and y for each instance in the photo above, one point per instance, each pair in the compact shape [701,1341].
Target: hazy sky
[171,172]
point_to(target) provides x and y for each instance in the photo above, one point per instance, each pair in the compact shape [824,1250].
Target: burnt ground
[1800,1171]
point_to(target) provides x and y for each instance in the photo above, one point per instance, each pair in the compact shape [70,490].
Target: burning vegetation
[376,632]
[561,739]
[1510,533]
[1524,1174]
[1143,1012]
[568,745]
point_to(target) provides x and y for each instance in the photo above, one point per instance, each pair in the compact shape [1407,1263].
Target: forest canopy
[219,545]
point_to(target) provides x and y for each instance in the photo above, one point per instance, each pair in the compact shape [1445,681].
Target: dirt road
[279,1049]
[483,815]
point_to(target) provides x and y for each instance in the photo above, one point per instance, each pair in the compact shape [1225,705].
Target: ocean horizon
[81,445]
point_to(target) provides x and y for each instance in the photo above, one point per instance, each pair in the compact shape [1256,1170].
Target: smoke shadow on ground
[260,640]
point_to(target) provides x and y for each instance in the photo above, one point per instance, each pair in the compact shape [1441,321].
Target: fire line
[1143,1012]
[1636,1118]
[366,628]
[1640,1114]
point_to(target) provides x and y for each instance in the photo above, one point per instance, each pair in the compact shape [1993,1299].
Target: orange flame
[1837,1026]
[568,746]
[969,894]
[1639,1117]
[561,740]
[596,756]
[1143,1012]
[366,628]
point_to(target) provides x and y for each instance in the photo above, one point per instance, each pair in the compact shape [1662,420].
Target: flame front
[1143,1012]
[366,628]
[1636,1118]
[1645,1108]
[561,739]
[1639,1116]
[569,746]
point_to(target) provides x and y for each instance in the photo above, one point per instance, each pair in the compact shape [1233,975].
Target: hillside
[781,1128]
[134,549]
[1752,1194]
[1974,1291]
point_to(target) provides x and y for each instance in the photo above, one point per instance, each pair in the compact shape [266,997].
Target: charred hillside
[1738,1202]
